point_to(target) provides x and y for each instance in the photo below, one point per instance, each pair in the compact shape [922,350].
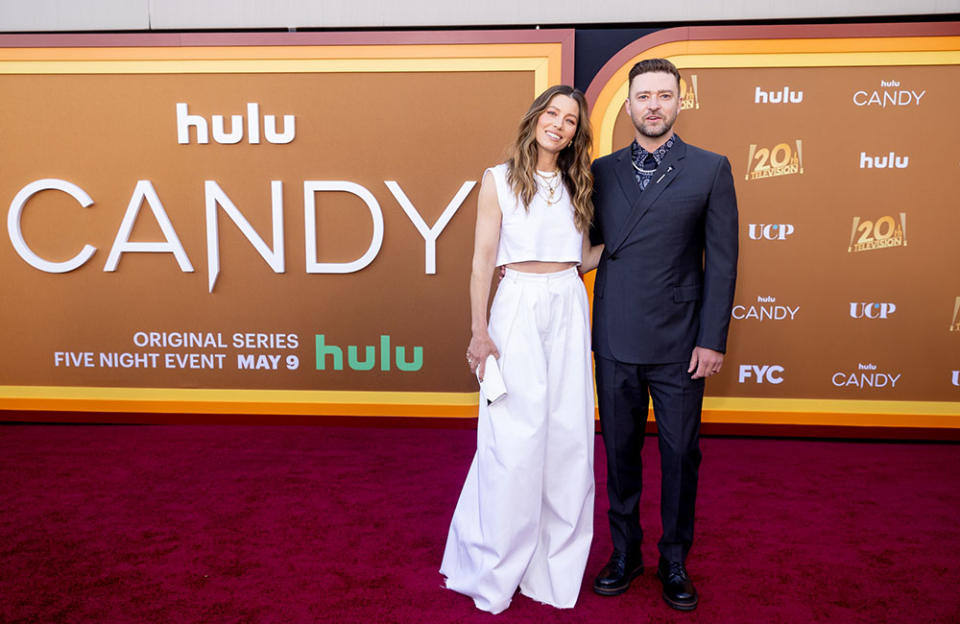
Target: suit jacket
[667,274]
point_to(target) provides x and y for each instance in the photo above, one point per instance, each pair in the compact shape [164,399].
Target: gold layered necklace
[549,186]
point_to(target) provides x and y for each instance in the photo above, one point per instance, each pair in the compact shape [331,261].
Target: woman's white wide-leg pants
[525,515]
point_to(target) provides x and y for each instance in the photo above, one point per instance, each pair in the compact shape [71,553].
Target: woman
[525,515]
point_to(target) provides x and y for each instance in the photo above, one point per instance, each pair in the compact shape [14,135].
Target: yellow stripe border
[934,414]
[542,59]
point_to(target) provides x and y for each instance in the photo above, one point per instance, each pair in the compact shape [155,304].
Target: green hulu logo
[370,356]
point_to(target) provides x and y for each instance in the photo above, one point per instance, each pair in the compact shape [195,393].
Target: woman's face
[557,124]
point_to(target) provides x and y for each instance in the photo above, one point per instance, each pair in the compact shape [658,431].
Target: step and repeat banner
[843,144]
[282,224]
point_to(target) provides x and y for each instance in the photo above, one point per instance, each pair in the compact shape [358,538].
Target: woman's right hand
[479,348]
[485,244]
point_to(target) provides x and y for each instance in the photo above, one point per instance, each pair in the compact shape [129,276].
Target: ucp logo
[871,310]
[770,231]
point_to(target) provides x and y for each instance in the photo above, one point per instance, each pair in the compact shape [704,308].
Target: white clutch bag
[492,386]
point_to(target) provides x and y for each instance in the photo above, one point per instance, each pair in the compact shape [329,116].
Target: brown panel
[429,132]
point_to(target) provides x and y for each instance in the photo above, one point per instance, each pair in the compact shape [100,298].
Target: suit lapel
[627,179]
[666,173]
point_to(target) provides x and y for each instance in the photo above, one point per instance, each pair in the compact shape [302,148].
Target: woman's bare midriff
[535,266]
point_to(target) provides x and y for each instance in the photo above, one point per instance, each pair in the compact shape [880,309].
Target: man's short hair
[647,66]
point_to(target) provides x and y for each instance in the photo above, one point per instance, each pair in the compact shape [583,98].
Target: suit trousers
[525,514]
[624,391]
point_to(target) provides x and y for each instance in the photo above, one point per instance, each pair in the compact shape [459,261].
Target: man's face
[653,103]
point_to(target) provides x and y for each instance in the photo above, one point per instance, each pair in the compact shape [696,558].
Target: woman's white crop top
[543,232]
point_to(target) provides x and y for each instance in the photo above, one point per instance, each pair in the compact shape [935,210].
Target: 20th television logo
[780,160]
[880,234]
[689,94]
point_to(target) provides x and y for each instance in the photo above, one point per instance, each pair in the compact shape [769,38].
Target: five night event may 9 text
[253,341]
[252,357]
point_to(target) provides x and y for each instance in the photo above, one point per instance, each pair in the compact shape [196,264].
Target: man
[667,214]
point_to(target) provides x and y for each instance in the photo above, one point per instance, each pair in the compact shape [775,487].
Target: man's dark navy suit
[665,284]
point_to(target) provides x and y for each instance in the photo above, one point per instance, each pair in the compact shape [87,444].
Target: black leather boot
[678,589]
[615,577]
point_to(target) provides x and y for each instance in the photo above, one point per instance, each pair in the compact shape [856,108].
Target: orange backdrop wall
[277,224]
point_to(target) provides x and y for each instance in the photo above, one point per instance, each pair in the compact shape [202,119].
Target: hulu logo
[371,355]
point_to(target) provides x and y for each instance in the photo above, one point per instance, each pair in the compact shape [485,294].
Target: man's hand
[706,362]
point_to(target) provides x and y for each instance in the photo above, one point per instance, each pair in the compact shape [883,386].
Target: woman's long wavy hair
[573,161]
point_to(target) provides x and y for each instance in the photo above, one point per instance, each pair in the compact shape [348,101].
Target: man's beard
[661,129]
[647,131]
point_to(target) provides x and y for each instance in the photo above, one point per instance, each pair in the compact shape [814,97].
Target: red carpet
[183,524]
